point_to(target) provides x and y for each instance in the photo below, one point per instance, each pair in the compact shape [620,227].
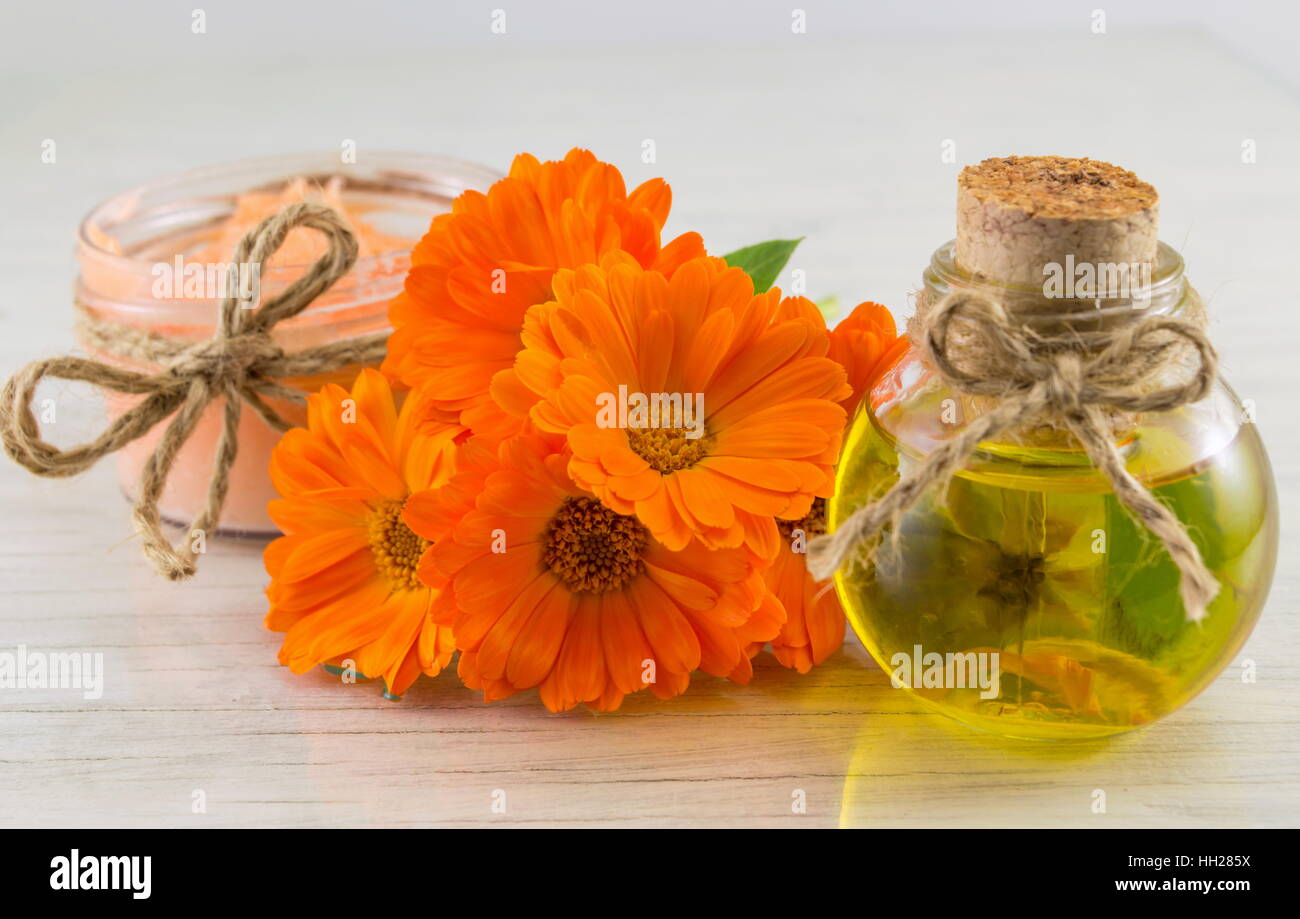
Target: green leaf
[763,261]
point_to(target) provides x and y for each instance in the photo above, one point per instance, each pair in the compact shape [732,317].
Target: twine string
[240,363]
[1078,378]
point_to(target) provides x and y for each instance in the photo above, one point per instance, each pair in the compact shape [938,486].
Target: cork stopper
[1016,215]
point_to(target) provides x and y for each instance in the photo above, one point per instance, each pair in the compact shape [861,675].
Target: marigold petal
[538,642]
[708,497]
[676,647]
[323,551]
[581,665]
[494,649]
[625,645]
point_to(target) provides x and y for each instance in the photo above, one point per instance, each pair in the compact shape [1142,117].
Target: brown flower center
[667,449]
[1016,581]
[814,524]
[591,548]
[395,547]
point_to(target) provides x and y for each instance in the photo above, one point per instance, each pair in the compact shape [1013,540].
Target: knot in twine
[1076,378]
[240,364]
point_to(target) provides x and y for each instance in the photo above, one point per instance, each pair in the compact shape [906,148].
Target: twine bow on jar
[1074,379]
[240,364]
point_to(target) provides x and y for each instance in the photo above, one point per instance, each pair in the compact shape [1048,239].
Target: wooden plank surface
[839,141]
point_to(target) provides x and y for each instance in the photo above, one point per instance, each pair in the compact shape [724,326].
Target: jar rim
[458,173]
[417,187]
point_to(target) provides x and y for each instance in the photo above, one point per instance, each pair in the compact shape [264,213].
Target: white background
[1265,32]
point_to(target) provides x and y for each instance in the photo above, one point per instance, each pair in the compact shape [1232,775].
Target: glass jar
[128,244]
[1027,558]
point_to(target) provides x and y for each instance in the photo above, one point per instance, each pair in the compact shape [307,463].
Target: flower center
[667,449]
[395,547]
[1016,583]
[591,548]
[814,524]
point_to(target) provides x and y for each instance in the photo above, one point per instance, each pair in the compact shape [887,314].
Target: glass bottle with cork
[993,503]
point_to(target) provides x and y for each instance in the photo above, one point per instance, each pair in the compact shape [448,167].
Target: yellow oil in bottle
[1028,556]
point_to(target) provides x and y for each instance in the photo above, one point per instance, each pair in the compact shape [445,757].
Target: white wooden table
[837,141]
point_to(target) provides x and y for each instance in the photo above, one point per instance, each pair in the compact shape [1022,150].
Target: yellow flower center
[591,548]
[813,524]
[395,547]
[667,449]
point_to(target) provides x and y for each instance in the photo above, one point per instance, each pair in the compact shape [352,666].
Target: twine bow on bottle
[240,364]
[1076,379]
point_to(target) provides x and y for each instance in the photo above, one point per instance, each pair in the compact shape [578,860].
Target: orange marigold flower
[553,589]
[866,344]
[343,577]
[814,619]
[765,427]
[481,266]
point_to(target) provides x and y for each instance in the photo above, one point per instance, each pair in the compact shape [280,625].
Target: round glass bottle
[1027,558]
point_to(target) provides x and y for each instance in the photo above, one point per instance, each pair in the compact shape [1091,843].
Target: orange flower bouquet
[610,459]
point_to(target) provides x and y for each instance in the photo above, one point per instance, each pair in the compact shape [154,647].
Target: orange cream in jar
[149,257]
